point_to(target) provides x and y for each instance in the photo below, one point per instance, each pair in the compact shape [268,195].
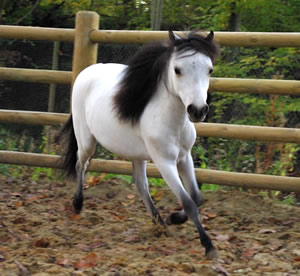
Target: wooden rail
[255,86]
[254,133]
[35,75]
[281,183]
[258,133]
[228,85]
[32,117]
[240,39]
[37,33]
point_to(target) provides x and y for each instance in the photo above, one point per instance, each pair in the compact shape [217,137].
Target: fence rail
[280,183]
[243,132]
[240,39]
[228,85]
[35,75]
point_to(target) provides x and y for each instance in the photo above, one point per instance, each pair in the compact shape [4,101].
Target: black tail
[69,145]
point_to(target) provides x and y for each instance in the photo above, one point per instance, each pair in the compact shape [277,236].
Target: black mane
[145,70]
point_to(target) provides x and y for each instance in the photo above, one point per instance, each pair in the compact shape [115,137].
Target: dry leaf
[19,203]
[211,215]
[83,247]
[193,251]
[222,238]
[158,195]
[88,261]
[220,269]
[63,262]
[42,243]
[266,231]
[2,258]
[248,254]
[131,196]
[132,239]
[76,217]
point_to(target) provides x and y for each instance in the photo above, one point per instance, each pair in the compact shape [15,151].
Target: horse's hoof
[212,254]
[176,218]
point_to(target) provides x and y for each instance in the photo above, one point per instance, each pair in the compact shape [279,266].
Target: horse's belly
[122,142]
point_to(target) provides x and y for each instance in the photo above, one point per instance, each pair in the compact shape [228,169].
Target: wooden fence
[86,37]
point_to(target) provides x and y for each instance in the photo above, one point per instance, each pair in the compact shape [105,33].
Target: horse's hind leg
[141,182]
[86,149]
[187,174]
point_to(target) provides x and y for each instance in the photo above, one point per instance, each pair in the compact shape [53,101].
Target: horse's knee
[197,198]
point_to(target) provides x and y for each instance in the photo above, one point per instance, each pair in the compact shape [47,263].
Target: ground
[114,235]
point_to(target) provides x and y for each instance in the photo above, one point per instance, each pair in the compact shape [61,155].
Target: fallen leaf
[248,254]
[131,196]
[88,261]
[2,258]
[222,238]
[193,251]
[83,247]
[266,231]
[75,217]
[42,243]
[211,215]
[158,195]
[220,269]
[275,245]
[19,203]
[232,238]
[16,194]
[19,220]
[132,239]
[63,262]
[297,259]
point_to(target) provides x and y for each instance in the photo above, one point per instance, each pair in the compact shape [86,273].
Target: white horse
[145,111]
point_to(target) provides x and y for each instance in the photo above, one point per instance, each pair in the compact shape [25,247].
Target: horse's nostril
[205,109]
[191,109]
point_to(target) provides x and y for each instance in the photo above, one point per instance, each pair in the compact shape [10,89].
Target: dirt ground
[114,235]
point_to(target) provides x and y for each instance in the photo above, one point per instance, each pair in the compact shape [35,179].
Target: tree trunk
[234,24]
[156,14]
[2,6]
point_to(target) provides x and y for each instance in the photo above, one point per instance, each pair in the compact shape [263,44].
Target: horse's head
[189,70]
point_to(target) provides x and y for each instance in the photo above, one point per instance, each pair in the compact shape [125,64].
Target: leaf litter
[114,235]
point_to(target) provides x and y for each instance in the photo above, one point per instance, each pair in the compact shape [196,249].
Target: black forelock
[198,43]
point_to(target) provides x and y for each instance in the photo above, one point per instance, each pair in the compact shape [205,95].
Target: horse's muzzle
[197,114]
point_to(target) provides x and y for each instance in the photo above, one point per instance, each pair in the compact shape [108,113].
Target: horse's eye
[177,71]
[210,71]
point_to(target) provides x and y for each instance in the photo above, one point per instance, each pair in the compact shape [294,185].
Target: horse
[142,111]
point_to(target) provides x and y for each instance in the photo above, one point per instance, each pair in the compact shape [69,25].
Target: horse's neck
[167,109]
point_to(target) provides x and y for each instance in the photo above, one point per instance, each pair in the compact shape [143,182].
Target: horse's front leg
[187,173]
[165,160]
[141,182]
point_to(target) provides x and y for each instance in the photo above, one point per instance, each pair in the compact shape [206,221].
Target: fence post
[85,51]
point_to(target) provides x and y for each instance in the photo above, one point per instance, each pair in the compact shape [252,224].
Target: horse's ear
[210,36]
[173,36]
